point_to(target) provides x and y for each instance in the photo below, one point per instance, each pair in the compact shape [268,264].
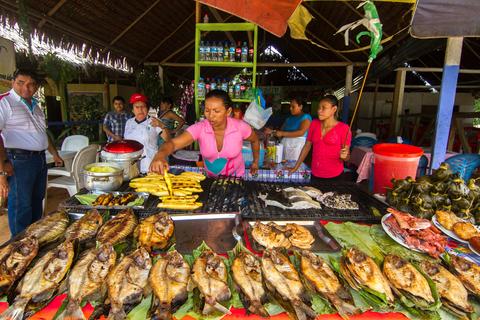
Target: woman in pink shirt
[331,142]
[220,138]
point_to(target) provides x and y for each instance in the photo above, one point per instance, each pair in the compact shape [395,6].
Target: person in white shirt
[144,129]
[23,143]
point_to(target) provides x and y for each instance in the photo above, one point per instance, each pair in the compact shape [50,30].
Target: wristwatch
[3,173]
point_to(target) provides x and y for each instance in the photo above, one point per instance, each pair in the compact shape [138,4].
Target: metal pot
[126,154]
[102,181]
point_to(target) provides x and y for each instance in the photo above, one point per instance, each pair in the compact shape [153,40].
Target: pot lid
[123,146]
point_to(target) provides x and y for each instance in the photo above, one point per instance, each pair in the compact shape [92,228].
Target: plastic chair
[422,166]
[366,134]
[395,140]
[464,164]
[363,142]
[74,143]
[73,180]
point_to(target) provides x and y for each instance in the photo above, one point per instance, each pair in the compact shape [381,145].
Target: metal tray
[74,203]
[321,236]
[215,229]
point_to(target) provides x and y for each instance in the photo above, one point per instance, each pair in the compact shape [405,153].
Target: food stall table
[362,158]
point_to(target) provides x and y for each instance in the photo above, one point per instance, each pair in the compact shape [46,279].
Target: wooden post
[397,102]
[374,106]
[198,12]
[348,91]
[160,76]
[447,100]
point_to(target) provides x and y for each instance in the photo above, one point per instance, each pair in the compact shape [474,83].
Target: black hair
[330,98]
[119,98]
[299,100]
[167,100]
[28,73]
[222,95]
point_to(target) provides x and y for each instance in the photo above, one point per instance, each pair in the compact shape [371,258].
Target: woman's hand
[292,170]
[345,153]
[278,133]
[254,168]
[157,123]
[267,131]
[159,164]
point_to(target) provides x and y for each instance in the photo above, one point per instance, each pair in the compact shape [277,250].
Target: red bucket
[393,160]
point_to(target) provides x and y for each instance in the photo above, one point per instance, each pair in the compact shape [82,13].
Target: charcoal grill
[369,207]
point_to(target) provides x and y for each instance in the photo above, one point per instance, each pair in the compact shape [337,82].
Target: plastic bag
[256,116]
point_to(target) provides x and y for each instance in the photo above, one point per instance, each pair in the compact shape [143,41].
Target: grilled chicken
[15,259]
[209,275]
[127,282]
[317,272]
[118,228]
[49,228]
[155,231]
[247,274]
[169,280]
[86,227]
[282,278]
[41,282]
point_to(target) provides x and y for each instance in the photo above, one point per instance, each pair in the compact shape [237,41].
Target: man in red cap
[144,129]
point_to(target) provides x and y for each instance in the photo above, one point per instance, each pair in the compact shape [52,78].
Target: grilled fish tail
[16,310]
[256,307]
[73,311]
[211,304]
[344,308]
[162,312]
[117,313]
[302,311]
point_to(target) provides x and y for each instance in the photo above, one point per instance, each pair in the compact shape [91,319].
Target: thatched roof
[163,31]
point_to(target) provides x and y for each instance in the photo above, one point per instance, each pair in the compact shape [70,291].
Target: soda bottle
[202,51]
[208,54]
[231,87]
[237,90]
[225,85]
[220,51]
[213,84]
[244,53]
[207,86]
[205,18]
[213,51]
[238,52]
[250,54]
[226,51]
[201,88]
[232,52]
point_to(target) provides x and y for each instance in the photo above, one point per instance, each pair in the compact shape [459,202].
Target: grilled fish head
[155,231]
[468,272]
[86,227]
[118,228]
[404,276]
[49,228]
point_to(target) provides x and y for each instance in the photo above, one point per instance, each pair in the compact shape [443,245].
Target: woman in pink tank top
[330,139]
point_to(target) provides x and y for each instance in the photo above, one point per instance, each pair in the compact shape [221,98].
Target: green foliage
[60,71]
[149,82]
[86,108]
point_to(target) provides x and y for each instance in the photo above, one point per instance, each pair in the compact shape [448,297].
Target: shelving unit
[223,27]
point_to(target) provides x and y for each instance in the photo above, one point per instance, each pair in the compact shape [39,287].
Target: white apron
[292,147]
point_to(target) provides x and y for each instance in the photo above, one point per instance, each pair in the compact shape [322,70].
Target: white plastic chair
[73,180]
[366,134]
[74,143]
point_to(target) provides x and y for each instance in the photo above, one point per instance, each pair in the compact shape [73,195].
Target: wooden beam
[397,102]
[271,64]
[422,86]
[420,69]
[394,1]
[130,26]
[51,12]
[463,139]
[219,18]
[469,47]
[198,12]
[167,37]
[374,107]
[69,30]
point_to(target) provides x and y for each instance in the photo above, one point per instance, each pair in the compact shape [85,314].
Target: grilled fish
[40,283]
[299,236]
[405,278]
[359,270]
[209,275]
[270,236]
[468,272]
[155,231]
[118,228]
[453,294]
[15,259]
[169,279]
[247,274]
[317,272]
[49,228]
[282,278]
[86,227]
[87,279]
[127,281]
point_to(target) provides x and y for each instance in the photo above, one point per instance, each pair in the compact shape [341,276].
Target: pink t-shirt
[229,161]
[326,162]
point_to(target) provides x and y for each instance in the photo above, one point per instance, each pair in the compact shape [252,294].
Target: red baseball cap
[136,97]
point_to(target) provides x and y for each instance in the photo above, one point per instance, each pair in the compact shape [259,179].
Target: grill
[255,207]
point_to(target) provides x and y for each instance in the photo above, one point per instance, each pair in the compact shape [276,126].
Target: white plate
[396,238]
[450,233]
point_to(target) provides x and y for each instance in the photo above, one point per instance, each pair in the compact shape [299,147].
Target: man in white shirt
[144,129]
[23,168]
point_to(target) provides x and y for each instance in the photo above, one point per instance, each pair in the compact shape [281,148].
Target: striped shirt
[22,126]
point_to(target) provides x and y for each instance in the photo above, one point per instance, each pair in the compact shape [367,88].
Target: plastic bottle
[201,88]
[237,90]
[205,18]
[232,52]
[213,84]
[231,88]
[226,52]
[244,54]
[213,51]
[225,85]
[202,51]
[208,54]
[220,51]
[238,52]
[250,54]
[207,86]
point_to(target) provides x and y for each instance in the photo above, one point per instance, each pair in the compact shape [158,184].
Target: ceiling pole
[397,102]
[348,89]
[198,12]
[121,34]
[52,11]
